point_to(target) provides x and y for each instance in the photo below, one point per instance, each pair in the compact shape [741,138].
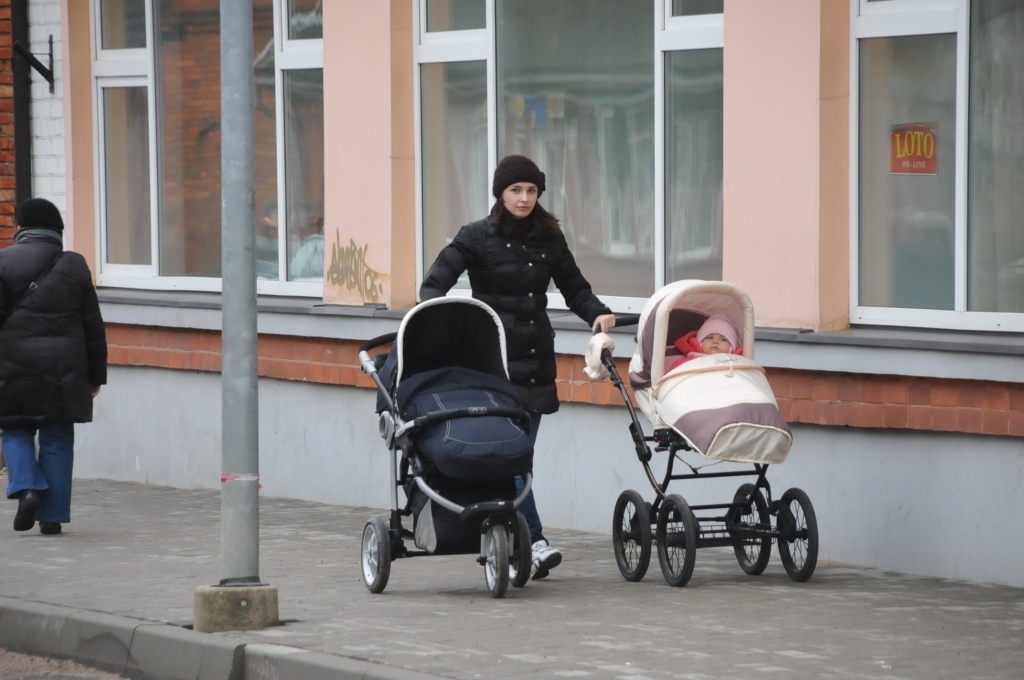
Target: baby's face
[715,343]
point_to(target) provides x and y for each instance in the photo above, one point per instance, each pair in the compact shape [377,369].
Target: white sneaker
[545,558]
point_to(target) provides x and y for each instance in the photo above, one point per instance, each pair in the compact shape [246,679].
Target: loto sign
[913,150]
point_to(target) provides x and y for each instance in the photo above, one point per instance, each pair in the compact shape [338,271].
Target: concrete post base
[222,608]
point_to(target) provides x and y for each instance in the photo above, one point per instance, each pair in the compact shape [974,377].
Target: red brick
[825,413]
[945,394]
[1016,423]
[563,390]
[580,392]
[995,422]
[803,411]
[919,392]
[969,420]
[997,397]
[175,360]
[1016,397]
[801,386]
[848,389]
[895,415]
[780,383]
[868,415]
[318,351]
[919,417]
[944,419]
[971,396]
[872,391]
[896,392]
[825,387]
[846,413]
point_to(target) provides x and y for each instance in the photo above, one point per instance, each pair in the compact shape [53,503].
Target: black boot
[49,527]
[28,503]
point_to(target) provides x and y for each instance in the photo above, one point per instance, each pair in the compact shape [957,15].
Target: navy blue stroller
[457,437]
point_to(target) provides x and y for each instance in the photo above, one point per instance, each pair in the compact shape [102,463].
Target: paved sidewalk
[139,551]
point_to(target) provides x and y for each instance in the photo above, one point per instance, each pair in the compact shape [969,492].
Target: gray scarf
[39,234]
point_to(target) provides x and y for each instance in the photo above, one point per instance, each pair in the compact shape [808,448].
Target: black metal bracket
[46,73]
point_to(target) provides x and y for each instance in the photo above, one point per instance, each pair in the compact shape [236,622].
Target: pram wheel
[376,555]
[798,543]
[496,554]
[521,560]
[631,535]
[751,552]
[677,540]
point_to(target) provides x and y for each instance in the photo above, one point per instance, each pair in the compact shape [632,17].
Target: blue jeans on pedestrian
[529,506]
[51,473]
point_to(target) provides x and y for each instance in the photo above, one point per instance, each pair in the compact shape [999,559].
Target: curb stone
[150,650]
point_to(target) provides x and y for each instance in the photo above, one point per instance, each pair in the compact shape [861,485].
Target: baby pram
[720,406]
[457,437]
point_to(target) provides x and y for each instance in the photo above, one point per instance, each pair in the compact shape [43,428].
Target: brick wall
[812,397]
[6,128]
[47,109]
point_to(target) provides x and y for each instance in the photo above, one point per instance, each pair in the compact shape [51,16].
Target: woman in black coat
[53,359]
[512,256]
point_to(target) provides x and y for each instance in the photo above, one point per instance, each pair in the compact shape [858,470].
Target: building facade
[852,164]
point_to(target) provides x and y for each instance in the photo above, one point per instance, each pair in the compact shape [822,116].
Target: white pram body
[721,404]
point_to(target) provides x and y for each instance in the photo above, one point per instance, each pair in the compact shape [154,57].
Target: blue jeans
[529,506]
[51,473]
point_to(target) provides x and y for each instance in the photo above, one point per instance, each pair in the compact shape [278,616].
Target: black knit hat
[38,213]
[514,169]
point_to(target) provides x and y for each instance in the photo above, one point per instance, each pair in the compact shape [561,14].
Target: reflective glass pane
[693,165]
[682,8]
[995,201]
[576,94]
[123,24]
[126,177]
[456,190]
[907,158]
[188,117]
[456,15]
[304,172]
[305,19]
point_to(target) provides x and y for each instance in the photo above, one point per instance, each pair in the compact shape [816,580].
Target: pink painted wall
[357,140]
[781,155]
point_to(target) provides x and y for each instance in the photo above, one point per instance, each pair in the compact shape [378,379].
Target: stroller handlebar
[624,320]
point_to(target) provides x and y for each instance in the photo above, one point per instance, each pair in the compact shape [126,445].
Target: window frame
[136,67]
[670,34]
[896,18]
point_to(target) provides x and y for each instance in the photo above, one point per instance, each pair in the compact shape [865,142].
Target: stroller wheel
[631,535]
[677,540]
[521,559]
[376,555]
[751,552]
[496,554]
[798,542]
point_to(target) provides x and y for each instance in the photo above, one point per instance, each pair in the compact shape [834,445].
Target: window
[618,101]
[157,77]
[938,162]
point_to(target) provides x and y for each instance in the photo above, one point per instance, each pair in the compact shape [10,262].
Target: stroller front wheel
[376,555]
[521,558]
[677,540]
[631,535]
[798,542]
[496,556]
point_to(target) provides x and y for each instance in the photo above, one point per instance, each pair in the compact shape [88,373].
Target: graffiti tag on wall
[349,270]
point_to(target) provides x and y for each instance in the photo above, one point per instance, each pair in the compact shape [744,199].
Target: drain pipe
[21,70]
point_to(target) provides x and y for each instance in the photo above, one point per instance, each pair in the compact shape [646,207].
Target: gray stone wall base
[149,650]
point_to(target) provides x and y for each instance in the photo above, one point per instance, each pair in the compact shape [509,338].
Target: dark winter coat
[511,274]
[53,347]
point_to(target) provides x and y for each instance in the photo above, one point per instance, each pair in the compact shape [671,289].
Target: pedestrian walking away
[511,256]
[53,360]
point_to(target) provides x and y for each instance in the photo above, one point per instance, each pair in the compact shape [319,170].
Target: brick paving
[139,551]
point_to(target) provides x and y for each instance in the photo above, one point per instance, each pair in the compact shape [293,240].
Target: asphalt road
[22,667]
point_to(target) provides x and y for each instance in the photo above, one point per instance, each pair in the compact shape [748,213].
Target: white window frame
[137,67]
[670,34]
[896,18]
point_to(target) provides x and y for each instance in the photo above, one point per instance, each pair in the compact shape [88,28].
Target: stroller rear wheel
[798,543]
[496,556]
[521,559]
[751,552]
[677,540]
[631,535]
[376,555]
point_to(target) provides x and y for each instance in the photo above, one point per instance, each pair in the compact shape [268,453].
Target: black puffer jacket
[53,347]
[511,274]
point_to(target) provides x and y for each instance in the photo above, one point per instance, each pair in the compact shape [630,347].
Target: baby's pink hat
[721,325]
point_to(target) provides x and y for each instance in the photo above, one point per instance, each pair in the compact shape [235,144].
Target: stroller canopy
[450,332]
[681,307]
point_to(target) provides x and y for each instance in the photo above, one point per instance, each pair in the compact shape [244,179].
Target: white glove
[595,370]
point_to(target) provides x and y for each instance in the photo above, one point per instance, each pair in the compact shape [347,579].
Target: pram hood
[722,403]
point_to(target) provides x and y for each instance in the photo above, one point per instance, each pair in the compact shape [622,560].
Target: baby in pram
[717,335]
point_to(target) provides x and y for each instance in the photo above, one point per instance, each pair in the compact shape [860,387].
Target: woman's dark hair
[506,223]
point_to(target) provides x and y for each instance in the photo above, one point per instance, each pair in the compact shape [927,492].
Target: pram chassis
[678,531]
[505,549]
